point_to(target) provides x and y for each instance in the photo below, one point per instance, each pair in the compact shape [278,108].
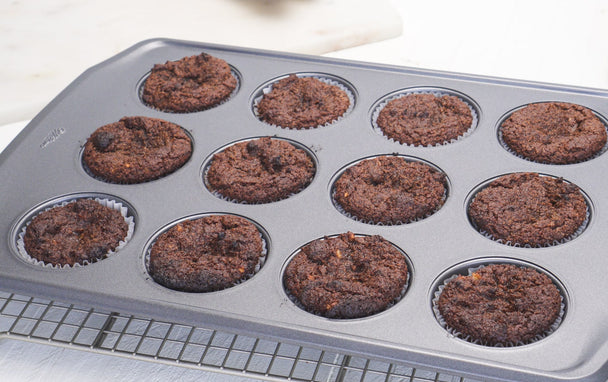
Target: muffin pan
[43,165]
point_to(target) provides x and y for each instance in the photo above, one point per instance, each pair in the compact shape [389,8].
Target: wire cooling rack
[48,321]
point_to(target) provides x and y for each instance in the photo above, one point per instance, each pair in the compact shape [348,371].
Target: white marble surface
[551,41]
[47,44]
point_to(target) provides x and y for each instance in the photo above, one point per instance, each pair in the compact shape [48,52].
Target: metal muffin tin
[44,163]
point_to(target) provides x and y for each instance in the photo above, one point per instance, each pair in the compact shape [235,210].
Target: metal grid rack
[48,321]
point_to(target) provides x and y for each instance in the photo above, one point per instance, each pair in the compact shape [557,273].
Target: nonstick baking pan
[43,167]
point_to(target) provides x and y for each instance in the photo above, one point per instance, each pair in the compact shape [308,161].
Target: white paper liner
[453,332]
[574,235]
[113,204]
[230,96]
[320,77]
[512,152]
[297,302]
[436,93]
[221,196]
[259,265]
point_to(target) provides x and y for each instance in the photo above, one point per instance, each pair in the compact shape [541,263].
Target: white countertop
[554,41]
[558,41]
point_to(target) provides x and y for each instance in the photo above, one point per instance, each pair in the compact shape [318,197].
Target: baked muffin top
[554,132]
[529,209]
[346,276]
[302,103]
[390,190]
[190,84]
[421,119]
[261,170]
[136,150]
[500,304]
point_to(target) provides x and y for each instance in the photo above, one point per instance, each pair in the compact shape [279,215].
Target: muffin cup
[325,78]
[218,195]
[297,302]
[468,272]
[406,158]
[573,236]
[90,173]
[512,152]
[258,267]
[437,92]
[142,82]
[106,202]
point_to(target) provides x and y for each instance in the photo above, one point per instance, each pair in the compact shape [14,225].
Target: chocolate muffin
[136,150]
[500,304]
[390,190]
[262,170]
[190,84]
[529,209]
[346,276]
[206,254]
[421,119]
[554,133]
[302,103]
[80,232]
